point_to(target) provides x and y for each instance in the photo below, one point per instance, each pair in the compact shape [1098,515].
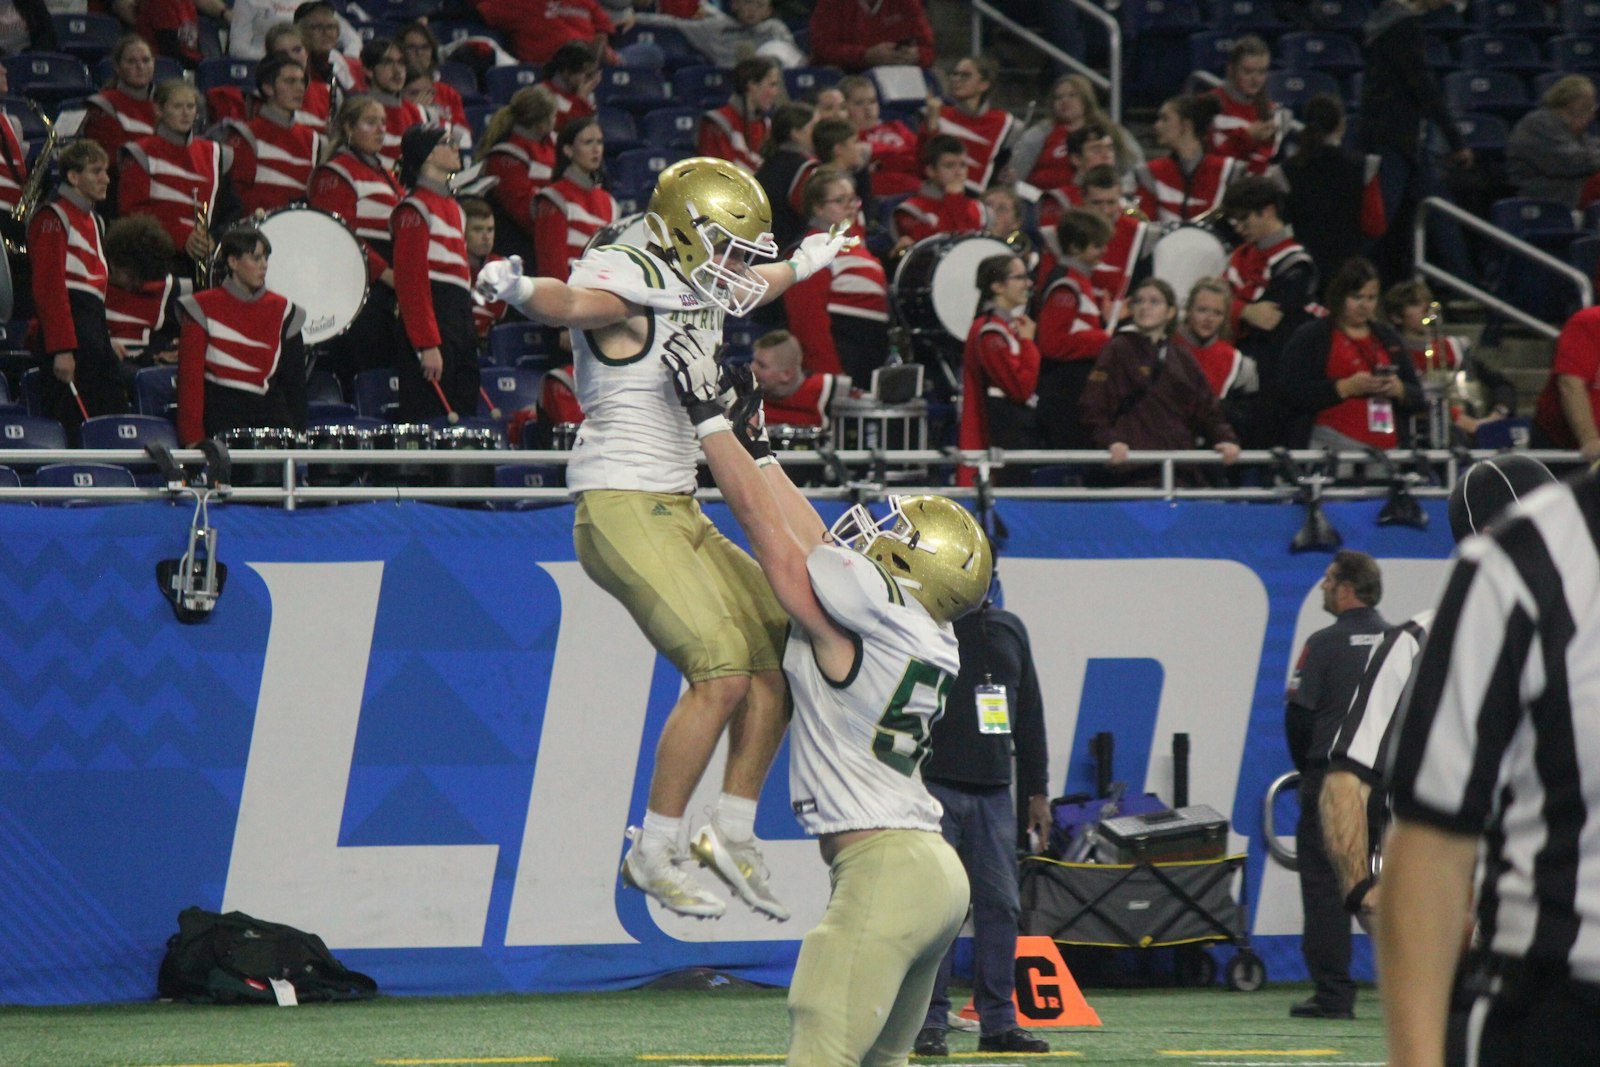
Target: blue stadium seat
[500,83]
[1548,226]
[155,391]
[1497,92]
[1157,48]
[30,431]
[32,128]
[5,392]
[1543,82]
[1439,56]
[127,431]
[674,46]
[213,73]
[1485,134]
[619,129]
[377,393]
[81,476]
[635,172]
[87,36]
[1333,53]
[48,77]
[1246,16]
[1584,253]
[9,479]
[701,85]
[1344,15]
[330,413]
[1209,51]
[510,341]
[460,77]
[1293,88]
[1536,221]
[510,389]
[1499,51]
[1445,23]
[1512,16]
[635,88]
[167,68]
[642,55]
[1576,53]
[32,396]
[478,116]
[802,81]
[1581,16]
[671,127]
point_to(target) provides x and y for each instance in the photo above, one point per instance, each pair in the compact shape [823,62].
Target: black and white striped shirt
[1501,736]
[1362,745]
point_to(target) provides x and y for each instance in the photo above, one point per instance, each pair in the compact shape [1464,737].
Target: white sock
[660,832]
[735,817]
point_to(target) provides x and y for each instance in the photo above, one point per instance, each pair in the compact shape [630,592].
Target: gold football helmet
[930,543]
[714,219]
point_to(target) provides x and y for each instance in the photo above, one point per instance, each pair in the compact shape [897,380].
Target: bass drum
[628,230]
[1185,254]
[317,262]
[936,283]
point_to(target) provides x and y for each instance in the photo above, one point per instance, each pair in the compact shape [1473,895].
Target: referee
[1500,742]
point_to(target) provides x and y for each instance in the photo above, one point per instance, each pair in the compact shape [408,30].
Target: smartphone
[1384,370]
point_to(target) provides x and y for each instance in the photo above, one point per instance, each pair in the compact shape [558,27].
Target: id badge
[994,717]
[1380,416]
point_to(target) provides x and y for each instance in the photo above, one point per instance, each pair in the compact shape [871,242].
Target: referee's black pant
[1539,1017]
[1325,942]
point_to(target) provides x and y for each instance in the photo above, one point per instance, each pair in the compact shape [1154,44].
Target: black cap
[1489,487]
[416,144]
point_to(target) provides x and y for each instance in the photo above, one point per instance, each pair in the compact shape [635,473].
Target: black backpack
[228,959]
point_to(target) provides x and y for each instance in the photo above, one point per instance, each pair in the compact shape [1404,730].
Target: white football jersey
[635,434]
[857,748]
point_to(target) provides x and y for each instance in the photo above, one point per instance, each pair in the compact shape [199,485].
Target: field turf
[644,1028]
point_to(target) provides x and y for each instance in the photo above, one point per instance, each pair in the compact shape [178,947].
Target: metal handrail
[1493,233]
[291,491]
[1112,84]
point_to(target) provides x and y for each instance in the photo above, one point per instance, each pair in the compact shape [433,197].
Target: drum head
[1187,254]
[628,230]
[317,263]
[953,290]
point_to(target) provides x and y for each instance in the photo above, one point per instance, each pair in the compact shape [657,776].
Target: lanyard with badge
[994,712]
[1380,409]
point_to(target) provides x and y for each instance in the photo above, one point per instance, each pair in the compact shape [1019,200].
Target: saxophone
[202,264]
[33,188]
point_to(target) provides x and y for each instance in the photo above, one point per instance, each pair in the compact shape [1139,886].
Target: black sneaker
[1013,1040]
[1312,1008]
[930,1042]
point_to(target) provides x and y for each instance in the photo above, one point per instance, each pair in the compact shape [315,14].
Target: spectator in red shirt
[421,49]
[791,396]
[943,204]
[982,130]
[857,34]
[737,130]
[1568,412]
[1249,127]
[174,25]
[519,150]
[538,27]
[318,23]
[571,76]
[894,163]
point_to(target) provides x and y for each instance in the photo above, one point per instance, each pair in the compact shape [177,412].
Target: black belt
[1522,982]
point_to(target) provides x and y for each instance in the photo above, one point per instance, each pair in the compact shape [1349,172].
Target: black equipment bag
[228,959]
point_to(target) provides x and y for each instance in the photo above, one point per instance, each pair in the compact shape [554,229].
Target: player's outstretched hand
[749,421]
[690,356]
[502,280]
[818,250]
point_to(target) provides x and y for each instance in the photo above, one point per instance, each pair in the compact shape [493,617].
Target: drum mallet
[488,402]
[450,415]
[81,409]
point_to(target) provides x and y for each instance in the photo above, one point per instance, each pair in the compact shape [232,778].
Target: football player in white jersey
[870,658]
[638,531]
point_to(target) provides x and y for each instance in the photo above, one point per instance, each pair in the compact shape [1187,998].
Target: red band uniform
[165,178]
[1071,334]
[273,157]
[524,164]
[1230,132]
[241,362]
[117,116]
[840,315]
[728,133]
[1168,194]
[932,210]
[981,135]
[363,192]
[433,284]
[567,214]
[1000,371]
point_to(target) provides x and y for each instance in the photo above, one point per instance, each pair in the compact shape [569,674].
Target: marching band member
[125,110]
[353,183]
[433,282]
[840,316]
[1248,127]
[13,157]
[573,208]
[286,40]
[571,76]
[943,204]
[790,395]
[1000,368]
[1273,279]
[1089,146]
[1205,313]
[173,26]
[982,130]
[175,175]
[1132,236]
[272,154]
[1188,181]
[787,160]
[141,295]
[1072,327]
[241,358]
[737,130]
[479,218]
[318,22]
[1042,153]
[386,66]
[69,292]
[421,49]
[518,149]
[895,161]
[1405,307]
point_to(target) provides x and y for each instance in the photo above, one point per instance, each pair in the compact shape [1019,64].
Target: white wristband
[715,424]
[767,460]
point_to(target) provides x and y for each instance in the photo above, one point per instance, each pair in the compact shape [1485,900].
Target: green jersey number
[897,727]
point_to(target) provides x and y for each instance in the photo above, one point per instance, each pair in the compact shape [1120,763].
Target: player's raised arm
[546,300]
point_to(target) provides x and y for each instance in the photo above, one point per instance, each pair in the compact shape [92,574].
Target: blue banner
[421,731]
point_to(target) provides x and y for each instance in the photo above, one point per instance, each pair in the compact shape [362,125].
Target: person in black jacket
[1335,202]
[994,714]
[1398,92]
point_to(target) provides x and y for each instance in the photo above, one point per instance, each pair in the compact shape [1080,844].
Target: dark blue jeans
[982,828]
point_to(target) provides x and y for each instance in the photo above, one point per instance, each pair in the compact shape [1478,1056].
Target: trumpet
[202,264]
[1436,378]
[33,188]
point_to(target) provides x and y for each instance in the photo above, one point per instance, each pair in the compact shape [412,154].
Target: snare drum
[465,439]
[317,262]
[796,438]
[1186,253]
[628,230]
[867,424]
[563,434]
[336,439]
[936,283]
[401,437]
[256,439]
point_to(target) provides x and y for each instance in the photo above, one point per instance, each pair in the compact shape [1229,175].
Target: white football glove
[690,356]
[503,280]
[817,251]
